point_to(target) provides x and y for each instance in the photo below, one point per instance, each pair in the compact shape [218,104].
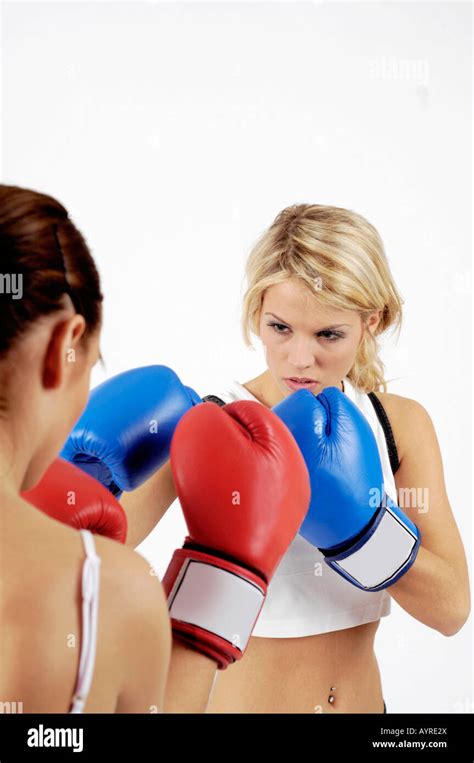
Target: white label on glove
[383,555]
[218,600]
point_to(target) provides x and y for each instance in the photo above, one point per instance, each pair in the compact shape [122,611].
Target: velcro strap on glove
[215,594]
[383,554]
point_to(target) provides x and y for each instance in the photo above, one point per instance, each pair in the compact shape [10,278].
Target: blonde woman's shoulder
[397,403]
[405,415]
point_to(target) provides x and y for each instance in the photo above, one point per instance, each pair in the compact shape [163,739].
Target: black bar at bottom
[148,737]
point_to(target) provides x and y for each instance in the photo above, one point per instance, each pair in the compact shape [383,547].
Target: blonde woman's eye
[331,336]
[277,327]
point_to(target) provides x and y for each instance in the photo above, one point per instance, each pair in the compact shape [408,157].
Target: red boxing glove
[244,489]
[75,498]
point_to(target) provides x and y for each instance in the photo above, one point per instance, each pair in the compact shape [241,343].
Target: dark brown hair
[40,243]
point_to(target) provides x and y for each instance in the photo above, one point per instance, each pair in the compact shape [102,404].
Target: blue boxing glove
[362,534]
[124,434]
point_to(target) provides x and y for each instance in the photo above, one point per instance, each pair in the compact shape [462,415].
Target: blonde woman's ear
[374,320]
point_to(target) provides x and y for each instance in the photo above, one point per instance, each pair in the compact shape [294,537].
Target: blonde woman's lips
[295,384]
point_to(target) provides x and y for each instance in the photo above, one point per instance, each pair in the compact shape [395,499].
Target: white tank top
[305,596]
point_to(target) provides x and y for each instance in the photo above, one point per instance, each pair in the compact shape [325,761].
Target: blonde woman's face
[305,340]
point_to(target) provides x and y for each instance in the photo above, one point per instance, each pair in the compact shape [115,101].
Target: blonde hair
[340,257]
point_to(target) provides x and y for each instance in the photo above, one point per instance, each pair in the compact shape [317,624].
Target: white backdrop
[174,133]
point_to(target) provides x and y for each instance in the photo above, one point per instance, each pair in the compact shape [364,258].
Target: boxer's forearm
[190,680]
[433,592]
[146,505]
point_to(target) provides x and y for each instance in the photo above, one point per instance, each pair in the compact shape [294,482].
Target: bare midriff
[333,672]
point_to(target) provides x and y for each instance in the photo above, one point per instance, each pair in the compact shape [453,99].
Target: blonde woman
[319,294]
